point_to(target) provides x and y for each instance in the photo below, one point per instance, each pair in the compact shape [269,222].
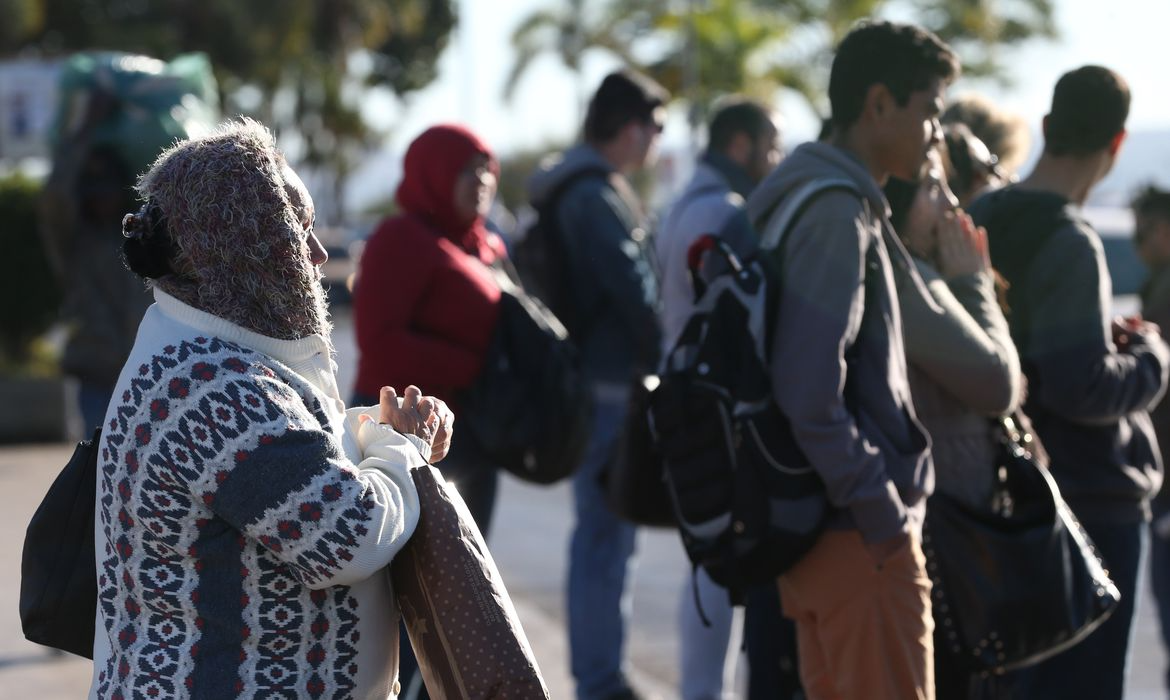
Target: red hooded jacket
[425,303]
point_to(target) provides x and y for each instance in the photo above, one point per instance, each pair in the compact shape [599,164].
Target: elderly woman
[245,518]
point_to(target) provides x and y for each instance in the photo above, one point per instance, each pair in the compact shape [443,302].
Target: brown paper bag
[461,623]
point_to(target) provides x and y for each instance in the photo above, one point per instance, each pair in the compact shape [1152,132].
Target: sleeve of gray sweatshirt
[962,341]
[822,300]
[1080,374]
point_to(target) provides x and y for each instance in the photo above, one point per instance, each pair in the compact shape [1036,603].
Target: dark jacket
[1088,401]
[611,261]
[1156,309]
[839,332]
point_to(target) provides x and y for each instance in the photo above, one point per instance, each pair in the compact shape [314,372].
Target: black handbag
[1015,580]
[633,480]
[58,573]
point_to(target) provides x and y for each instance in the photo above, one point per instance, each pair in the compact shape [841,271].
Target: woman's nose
[317,253]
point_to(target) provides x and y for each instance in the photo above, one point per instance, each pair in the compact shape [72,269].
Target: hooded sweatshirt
[610,255]
[1088,401]
[838,361]
[425,301]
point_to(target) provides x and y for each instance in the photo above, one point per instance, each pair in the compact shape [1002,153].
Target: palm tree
[700,49]
[569,31]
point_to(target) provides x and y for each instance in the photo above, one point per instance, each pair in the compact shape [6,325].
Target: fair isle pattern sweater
[244,521]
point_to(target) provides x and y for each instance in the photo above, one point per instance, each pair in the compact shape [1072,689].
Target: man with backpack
[605,291]
[1091,382]
[743,146]
[861,596]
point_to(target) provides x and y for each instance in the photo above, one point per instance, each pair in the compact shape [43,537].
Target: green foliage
[306,63]
[29,291]
[515,171]
[700,49]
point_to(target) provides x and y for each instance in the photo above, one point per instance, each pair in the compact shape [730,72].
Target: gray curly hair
[239,218]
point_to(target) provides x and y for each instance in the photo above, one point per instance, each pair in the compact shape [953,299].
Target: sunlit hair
[234,211]
[1004,133]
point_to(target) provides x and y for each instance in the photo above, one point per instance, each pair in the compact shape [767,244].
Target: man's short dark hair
[1089,109]
[903,57]
[737,115]
[1152,201]
[623,96]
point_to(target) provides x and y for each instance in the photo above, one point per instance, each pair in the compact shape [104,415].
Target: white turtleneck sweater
[244,521]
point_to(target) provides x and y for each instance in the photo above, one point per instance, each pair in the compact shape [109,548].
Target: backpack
[542,257]
[747,501]
[530,408]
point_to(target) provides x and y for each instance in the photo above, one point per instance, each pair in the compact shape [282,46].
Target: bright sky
[1126,35]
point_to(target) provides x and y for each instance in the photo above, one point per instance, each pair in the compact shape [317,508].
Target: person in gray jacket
[743,146]
[963,366]
[614,292]
[1091,381]
[861,596]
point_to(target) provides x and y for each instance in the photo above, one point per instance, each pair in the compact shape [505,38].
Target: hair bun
[148,249]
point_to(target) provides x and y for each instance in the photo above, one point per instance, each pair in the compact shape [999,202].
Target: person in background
[963,366]
[245,517]
[89,190]
[1151,211]
[970,168]
[860,597]
[1005,133]
[425,302]
[743,147]
[615,326]
[1091,380]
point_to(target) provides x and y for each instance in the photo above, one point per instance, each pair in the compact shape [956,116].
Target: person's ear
[1115,143]
[878,102]
[1044,126]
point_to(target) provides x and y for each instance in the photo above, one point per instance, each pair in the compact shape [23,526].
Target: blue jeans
[93,398]
[1095,669]
[600,555]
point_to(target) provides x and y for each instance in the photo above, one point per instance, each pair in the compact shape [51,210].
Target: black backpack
[748,503]
[530,408]
[542,256]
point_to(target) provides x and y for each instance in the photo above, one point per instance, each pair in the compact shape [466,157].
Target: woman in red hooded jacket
[425,302]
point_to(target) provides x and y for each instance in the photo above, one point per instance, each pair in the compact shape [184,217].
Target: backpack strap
[780,219]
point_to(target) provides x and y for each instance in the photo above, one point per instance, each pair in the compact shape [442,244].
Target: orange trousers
[863,631]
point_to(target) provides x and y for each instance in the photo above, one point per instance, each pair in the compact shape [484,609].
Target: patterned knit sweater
[244,521]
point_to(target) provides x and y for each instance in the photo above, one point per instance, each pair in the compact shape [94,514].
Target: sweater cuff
[373,433]
[881,517]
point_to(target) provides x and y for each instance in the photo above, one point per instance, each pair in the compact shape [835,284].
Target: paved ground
[529,543]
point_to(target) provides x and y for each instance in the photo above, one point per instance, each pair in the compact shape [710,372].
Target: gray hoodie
[838,360]
[611,260]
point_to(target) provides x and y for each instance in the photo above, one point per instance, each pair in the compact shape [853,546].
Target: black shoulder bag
[58,573]
[1015,580]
